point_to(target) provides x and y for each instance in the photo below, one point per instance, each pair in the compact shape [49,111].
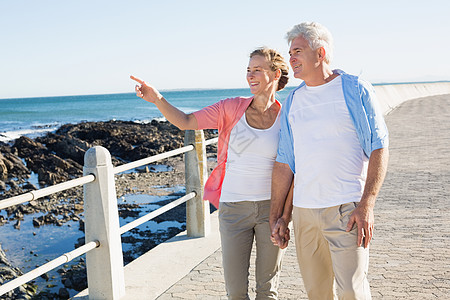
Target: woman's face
[260,78]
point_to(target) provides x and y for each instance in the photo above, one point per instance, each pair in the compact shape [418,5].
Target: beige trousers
[329,259]
[240,223]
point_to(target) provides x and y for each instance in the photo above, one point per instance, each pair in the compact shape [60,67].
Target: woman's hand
[146,91]
[173,115]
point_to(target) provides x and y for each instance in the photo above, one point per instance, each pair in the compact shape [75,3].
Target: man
[333,148]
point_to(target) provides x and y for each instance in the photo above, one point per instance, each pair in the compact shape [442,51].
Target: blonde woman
[240,185]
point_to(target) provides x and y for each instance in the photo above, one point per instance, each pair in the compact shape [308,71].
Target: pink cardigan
[222,115]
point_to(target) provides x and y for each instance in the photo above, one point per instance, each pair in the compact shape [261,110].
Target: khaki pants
[240,223]
[328,255]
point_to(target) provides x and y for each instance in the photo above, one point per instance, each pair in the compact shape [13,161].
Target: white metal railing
[155,213]
[33,195]
[47,267]
[105,264]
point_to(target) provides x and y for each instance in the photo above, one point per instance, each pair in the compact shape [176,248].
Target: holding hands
[280,233]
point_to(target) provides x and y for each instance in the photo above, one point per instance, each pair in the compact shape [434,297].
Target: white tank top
[251,155]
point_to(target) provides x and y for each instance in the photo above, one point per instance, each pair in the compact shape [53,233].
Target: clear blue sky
[51,48]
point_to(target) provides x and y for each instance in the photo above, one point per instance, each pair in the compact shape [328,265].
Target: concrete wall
[392,95]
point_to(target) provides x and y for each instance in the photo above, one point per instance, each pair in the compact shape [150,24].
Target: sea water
[29,246]
[36,116]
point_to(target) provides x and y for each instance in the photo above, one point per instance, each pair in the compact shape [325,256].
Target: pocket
[345,210]
[228,210]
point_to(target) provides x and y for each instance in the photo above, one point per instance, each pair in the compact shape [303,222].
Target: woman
[248,141]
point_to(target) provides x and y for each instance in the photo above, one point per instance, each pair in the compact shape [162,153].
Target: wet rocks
[11,165]
[8,273]
[59,156]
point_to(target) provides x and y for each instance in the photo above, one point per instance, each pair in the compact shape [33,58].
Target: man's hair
[276,62]
[317,36]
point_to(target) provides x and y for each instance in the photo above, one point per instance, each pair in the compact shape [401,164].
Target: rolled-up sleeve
[378,128]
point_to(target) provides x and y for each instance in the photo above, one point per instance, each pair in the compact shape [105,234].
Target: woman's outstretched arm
[171,113]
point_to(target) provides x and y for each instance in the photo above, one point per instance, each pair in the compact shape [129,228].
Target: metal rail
[148,160]
[33,195]
[156,213]
[9,286]
[211,141]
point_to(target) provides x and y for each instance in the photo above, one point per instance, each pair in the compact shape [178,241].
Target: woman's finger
[137,79]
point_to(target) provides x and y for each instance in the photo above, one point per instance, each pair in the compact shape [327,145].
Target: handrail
[36,194]
[211,141]
[33,195]
[10,285]
[148,160]
[155,213]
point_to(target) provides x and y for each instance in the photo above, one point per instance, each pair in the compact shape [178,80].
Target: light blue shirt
[364,111]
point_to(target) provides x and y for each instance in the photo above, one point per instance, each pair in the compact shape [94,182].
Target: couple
[321,159]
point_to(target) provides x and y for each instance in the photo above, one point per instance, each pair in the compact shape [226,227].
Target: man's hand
[364,219]
[363,213]
[146,91]
[280,234]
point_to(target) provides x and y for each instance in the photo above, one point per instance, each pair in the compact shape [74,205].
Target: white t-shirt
[330,165]
[251,155]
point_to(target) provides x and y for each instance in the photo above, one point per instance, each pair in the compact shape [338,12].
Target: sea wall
[392,95]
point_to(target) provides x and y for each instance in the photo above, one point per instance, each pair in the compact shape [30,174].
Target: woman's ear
[277,74]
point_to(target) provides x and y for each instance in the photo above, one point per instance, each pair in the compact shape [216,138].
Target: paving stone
[410,255]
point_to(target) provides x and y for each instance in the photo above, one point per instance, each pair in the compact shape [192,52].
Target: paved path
[410,255]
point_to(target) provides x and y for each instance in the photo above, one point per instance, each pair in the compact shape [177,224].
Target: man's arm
[281,203]
[363,214]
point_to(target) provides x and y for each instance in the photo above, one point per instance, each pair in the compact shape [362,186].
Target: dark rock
[68,283]
[29,186]
[37,222]
[13,184]
[76,277]
[58,157]
[3,168]
[45,276]
[63,293]
[17,225]
[81,224]
[7,273]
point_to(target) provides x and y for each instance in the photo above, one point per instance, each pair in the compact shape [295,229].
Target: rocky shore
[58,157]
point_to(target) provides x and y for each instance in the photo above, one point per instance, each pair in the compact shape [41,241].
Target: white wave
[8,136]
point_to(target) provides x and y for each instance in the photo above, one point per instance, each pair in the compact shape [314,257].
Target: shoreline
[57,156]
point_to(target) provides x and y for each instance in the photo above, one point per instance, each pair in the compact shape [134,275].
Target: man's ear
[321,53]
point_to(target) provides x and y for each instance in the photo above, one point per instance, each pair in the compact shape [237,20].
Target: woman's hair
[276,62]
[317,36]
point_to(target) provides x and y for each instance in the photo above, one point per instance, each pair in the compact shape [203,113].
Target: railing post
[197,211]
[105,263]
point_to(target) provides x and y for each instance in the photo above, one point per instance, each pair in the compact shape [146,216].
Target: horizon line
[206,89]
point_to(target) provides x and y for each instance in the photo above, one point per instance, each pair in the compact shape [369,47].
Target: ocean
[30,246]
[36,116]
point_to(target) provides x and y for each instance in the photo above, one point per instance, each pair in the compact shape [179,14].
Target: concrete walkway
[410,252]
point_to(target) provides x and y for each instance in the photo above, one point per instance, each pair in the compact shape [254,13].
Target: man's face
[304,60]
